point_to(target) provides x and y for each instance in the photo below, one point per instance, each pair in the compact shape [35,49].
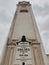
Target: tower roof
[22,3]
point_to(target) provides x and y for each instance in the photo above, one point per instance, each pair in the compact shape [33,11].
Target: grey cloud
[4,16]
[41,10]
[42,16]
[44,25]
[45,36]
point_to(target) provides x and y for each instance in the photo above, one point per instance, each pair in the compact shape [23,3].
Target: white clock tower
[24,46]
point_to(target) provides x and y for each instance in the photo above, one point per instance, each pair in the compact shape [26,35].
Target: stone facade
[26,51]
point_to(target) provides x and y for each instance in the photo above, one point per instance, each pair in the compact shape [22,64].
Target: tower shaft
[24,46]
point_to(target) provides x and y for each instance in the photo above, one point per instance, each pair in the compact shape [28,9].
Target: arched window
[23,63]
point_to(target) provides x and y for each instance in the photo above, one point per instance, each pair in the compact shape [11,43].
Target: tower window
[23,63]
[23,10]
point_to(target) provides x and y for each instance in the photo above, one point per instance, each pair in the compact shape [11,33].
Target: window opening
[23,10]
[23,63]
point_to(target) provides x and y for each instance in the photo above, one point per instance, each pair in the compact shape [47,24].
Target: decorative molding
[24,4]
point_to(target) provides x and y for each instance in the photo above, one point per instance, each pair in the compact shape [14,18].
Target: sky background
[41,13]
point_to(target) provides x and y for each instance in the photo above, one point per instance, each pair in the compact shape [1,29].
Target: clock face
[23,55]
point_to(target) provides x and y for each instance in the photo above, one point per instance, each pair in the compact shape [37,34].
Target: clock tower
[24,46]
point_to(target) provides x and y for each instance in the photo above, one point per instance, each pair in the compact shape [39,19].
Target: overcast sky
[41,13]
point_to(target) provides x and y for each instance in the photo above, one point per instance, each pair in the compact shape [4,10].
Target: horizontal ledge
[11,44]
[35,43]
